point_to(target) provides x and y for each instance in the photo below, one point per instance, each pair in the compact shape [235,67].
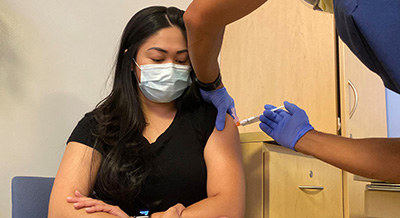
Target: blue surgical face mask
[163,83]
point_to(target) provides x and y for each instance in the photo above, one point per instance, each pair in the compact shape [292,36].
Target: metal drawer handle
[355,103]
[383,187]
[302,187]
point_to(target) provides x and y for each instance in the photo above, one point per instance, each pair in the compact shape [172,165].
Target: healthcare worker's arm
[376,158]
[205,22]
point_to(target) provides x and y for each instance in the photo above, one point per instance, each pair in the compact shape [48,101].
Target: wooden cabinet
[282,51]
[285,51]
[363,114]
[281,183]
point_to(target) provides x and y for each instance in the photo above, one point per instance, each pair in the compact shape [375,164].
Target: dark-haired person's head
[153,42]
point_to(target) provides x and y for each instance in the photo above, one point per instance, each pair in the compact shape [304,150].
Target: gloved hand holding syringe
[255,118]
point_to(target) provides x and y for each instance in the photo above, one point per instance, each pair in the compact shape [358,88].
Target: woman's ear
[132,67]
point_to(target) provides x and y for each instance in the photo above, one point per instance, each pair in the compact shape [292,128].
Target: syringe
[255,118]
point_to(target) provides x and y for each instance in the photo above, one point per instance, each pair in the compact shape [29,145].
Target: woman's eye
[158,60]
[181,62]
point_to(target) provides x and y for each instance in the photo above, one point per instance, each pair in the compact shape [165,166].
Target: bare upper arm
[223,158]
[205,23]
[77,171]
[218,13]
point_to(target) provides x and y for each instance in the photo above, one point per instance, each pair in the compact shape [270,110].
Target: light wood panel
[253,168]
[382,204]
[282,51]
[273,176]
[286,171]
[369,119]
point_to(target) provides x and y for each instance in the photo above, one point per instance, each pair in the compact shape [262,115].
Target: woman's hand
[172,212]
[92,205]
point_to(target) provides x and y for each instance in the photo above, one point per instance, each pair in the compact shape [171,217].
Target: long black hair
[126,158]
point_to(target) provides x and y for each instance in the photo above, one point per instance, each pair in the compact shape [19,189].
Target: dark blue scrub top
[371,29]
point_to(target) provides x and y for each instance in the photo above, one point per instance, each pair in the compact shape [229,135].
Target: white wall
[55,57]
[393,113]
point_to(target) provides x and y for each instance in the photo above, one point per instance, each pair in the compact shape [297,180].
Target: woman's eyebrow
[182,51]
[158,49]
[165,51]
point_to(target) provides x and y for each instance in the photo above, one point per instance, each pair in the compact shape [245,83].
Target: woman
[151,144]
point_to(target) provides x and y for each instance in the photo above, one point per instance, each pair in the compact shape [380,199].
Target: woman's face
[168,45]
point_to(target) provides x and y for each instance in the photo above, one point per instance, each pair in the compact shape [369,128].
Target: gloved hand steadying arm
[224,104]
[286,128]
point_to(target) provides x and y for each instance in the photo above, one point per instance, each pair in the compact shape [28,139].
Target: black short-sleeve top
[178,153]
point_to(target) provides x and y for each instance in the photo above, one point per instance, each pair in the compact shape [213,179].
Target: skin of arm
[225,177]
[377,158]
[76,172]
[205,23]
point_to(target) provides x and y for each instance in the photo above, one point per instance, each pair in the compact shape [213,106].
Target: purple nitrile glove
[286,128]
[224,104]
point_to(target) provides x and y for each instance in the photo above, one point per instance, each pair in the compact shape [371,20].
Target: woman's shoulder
[84,131]
[88,121]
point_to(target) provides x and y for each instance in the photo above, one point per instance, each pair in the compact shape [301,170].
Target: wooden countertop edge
[269,144]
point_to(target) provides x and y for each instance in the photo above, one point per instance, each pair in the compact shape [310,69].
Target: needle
[255,118]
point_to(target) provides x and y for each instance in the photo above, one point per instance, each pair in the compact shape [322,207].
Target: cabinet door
[363,114]
[293,180]
[282,51]
[382,204]
[253,168]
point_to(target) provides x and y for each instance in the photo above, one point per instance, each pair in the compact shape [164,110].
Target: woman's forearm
[377,158]
[217,206]
[63,212]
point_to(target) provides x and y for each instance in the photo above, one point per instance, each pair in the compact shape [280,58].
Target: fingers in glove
[232,112]
[271,123]
[292,108]
[265,128]
[281,112]
[269,107]
[220,121]
[274,116]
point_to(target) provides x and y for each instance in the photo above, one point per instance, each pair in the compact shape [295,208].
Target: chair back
[30,196]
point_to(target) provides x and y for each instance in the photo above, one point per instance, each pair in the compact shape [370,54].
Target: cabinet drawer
[382,204]
[273,176]
[301,186]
